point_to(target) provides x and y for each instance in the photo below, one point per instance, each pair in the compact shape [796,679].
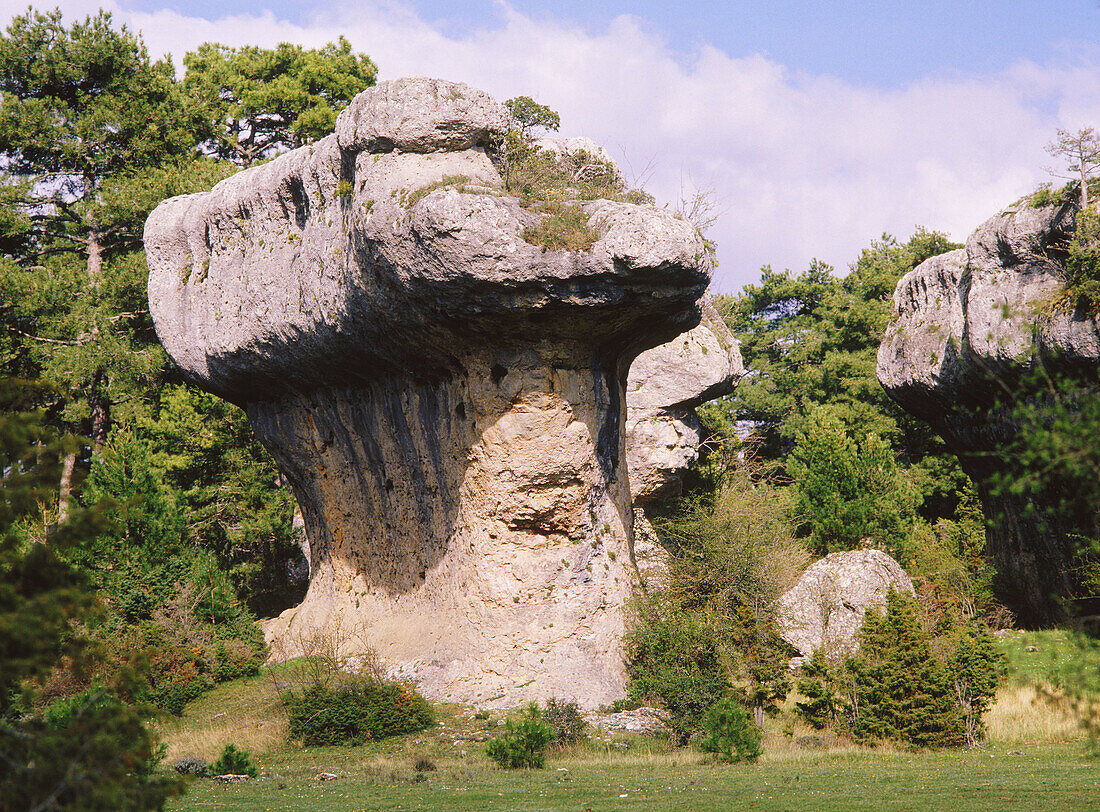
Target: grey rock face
[664,387]
[966,329]
[445,399]
[825,607]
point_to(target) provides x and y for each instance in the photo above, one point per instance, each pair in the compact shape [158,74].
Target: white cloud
[803,165]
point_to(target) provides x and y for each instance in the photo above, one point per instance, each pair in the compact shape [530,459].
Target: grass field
[1035,760]
[1049,777]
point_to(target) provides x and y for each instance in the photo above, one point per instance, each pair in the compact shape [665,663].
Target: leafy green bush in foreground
[524,742]
[356,712]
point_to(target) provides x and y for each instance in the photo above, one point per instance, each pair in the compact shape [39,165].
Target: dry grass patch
[1021,714]
[247,713]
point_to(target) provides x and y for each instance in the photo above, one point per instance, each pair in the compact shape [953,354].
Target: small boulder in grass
[327,776]
[231,778]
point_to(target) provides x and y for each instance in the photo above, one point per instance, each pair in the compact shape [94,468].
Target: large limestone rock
[665,386]
[956,354]
[825,607]
[445,399]
[663,434]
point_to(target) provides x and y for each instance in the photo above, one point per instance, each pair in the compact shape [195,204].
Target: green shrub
[233,761]
[674,659]
[850,489]
[713,633]
[733,735]
[191,765]
[524,742]
[355,712]
[896,688]
[566,719]
[564,228]
[1082,275]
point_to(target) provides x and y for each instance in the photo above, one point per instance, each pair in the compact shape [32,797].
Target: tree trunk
[101,412]
[95,257]
[65,489]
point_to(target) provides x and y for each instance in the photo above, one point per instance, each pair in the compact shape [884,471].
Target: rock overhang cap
[391,115]
[332,263]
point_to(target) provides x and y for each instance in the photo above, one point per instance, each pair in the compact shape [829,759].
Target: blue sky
[878,42]
[814,126]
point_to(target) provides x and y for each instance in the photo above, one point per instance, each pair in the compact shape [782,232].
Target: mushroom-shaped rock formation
[969,326]
[445,399]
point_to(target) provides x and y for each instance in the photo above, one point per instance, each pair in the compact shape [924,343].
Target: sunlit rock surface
[969,327]
[445,399]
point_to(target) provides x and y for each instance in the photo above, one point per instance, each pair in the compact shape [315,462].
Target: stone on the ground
[826,605]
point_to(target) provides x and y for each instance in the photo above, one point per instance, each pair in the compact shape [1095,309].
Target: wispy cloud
[802,165]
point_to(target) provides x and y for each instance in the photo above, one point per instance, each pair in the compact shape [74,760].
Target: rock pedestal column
[445,398]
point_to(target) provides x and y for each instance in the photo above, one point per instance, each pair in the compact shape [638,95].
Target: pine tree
[261,100]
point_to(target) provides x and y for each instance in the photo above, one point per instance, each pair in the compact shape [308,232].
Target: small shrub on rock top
[355,712]
[523,743]
[233,761]
[732,734]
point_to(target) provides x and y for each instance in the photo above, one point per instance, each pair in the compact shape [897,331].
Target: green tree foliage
[261,100]
[81,105]
[98,753]
[1050,468]
[229,491]
[851,491]
[811,340]
[732,734]
[904,684]
[529,115]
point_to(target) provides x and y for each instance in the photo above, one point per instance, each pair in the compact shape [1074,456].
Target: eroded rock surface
[664,387]
[825,607]
[445,399]
[967,330]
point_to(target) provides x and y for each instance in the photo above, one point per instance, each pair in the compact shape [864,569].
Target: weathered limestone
[663,389]
[663,434]
[825,607]
[445,399]
[965,329]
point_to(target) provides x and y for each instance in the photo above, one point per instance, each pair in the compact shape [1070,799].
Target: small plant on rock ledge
[564,228]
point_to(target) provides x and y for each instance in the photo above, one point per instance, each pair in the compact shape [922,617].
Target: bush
[713,634]
[564,228]
[850,489]
[566,719]
[233,761]
[191,765]
[675,660]
[524,743]
[897,689]
[733,734]
[355,711]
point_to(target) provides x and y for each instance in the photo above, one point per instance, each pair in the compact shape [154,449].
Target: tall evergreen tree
[261,100]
